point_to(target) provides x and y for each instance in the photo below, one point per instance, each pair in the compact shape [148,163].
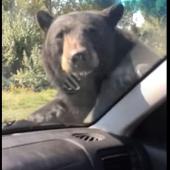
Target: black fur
[95,32]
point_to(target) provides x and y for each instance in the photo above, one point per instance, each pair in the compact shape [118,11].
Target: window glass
[25,87]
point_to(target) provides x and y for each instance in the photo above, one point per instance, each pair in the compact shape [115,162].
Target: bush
[19,34]
[21,53]
[32,75]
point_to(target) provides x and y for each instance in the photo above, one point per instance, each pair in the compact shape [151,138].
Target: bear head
[80,44]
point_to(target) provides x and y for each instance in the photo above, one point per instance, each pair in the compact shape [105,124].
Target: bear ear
[44,19]
[114,13]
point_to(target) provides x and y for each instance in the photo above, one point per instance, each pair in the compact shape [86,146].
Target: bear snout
[79,58]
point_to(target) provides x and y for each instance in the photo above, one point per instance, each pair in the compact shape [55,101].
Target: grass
[19,103]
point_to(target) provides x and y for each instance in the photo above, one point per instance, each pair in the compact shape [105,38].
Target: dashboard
[71,149]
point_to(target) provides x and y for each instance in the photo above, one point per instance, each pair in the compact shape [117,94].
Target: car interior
[89,148]
[130,136]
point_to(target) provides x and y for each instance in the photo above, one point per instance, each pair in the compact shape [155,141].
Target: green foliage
[7,4]
[5,83]
[19,34]
[30,6]
[32,75]
[21,55]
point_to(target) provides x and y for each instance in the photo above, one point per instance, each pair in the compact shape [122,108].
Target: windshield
[60,72]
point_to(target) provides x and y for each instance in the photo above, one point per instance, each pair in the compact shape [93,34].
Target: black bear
[81,53]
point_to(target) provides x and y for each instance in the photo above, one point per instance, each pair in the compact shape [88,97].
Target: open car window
[25,87]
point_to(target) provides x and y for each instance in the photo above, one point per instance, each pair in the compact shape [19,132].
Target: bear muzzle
[80,63]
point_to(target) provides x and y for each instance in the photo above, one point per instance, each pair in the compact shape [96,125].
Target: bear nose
[78,58]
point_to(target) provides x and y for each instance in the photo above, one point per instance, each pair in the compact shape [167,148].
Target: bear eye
[60,35]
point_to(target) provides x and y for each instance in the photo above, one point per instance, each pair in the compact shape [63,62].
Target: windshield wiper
[26,126]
